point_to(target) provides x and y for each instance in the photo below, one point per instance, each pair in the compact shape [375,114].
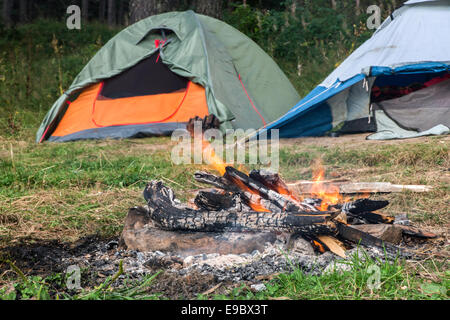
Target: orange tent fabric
[90,110]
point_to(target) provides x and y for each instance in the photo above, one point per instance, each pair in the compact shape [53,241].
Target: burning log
[270,180]
[235,176]
[169,215]
[251,199]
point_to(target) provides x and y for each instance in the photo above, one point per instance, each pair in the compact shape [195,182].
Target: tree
[333,4]
[212,8]
[85,10]
[23,6]
[102,10]
[140,9]
[111,12]
[7,12]
[121,17]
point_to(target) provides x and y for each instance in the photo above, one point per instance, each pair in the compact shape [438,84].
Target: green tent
[157,58]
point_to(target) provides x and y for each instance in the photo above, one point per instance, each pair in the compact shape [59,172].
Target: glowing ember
[287,194]
[319,246]
[255,199]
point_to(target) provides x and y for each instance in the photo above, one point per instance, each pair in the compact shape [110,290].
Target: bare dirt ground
[355,140]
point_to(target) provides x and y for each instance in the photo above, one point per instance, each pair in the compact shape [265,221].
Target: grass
[67,191]
[397,280]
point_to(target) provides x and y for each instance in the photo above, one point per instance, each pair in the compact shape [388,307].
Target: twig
[17,270]
[211,290]
[119,273]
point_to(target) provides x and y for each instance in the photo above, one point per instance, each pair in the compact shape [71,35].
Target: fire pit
[245,213]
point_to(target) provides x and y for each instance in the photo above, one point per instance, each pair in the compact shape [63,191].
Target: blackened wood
[140,233]
[358,236]
[270,180]
[416,232]
[373,217]
[169,216]
[208,122]
[218,182]
[362,205]
[213,201]
[247,198]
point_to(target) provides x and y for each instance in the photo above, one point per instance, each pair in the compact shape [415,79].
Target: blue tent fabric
[427,67]
[312,115]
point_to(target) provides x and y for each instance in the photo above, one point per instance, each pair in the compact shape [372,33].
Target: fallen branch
[306,187]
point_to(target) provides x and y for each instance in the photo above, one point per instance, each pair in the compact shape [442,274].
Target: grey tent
[406,61]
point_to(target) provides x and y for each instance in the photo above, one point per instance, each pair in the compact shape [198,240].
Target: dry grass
[65,215]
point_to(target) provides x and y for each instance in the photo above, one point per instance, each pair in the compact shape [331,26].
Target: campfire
[260,203]
[242,211]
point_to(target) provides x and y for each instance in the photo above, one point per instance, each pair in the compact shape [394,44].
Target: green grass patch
[364,278]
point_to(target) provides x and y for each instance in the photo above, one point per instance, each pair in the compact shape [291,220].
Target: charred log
[416,232]
[208,122]
[168,215]
[361,237]
[246,198]
[373,217]
[214,201]
[218,182]
[362,205]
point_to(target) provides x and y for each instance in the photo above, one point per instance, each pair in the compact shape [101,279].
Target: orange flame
[212,159]
[328,193]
